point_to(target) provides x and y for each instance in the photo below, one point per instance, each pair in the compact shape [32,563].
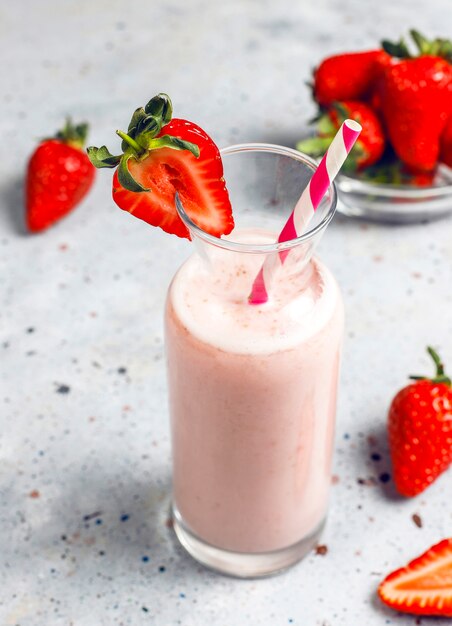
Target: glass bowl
[395,203]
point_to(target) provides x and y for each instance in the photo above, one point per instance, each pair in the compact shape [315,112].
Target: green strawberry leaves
[101,157]
[168,141]
[423,44]
[73,134]
[141,138]
[426,47]
[137,116]
[397,49]
[436,47]
[125,178]
[160,106]
[143,124]
[314,146]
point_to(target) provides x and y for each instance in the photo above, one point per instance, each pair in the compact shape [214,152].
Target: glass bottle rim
[267,247]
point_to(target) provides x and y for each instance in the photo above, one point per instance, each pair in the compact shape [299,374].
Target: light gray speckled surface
[85,299]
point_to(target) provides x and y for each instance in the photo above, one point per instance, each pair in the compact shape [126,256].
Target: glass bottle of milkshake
[252,389]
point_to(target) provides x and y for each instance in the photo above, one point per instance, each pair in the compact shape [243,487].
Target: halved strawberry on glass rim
[163,157]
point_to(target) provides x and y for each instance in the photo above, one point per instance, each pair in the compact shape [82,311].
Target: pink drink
[252,388]
[253,400]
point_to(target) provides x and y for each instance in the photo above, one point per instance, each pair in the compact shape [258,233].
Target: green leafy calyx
[101,157]
[143,136]
[425,47]
[73,134]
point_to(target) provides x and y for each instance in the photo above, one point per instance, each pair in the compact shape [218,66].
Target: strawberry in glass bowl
[400,170]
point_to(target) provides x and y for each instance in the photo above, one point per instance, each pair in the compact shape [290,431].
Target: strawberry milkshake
[252,384]
[252,400]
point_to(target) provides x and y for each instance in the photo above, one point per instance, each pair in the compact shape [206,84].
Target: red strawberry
[162,158]
[424,586]
[198,180]
[348,76]
[415,95]
[59,176]
[446,144]
[370,145]
[420,431]
[421,179]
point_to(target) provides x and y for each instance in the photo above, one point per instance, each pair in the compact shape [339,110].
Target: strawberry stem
[440,376]
[443,379]
[436,360]
[132,143]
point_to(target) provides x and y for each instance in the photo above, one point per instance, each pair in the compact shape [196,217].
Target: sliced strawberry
[198,181]
[424,586]
[161,158]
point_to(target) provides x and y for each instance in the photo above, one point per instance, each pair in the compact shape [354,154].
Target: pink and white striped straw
[309,201]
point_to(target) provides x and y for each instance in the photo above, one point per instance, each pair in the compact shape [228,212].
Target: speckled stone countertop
[84,445]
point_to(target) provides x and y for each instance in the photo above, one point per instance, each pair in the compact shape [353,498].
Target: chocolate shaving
[367,482]
[417,520]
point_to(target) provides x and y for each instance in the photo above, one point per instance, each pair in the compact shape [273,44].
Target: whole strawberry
[370,145]
[415,96]
[59,176]
[349,76]
[420,430]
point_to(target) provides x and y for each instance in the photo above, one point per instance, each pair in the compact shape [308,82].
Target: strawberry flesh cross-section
[424,586]
[162,157]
